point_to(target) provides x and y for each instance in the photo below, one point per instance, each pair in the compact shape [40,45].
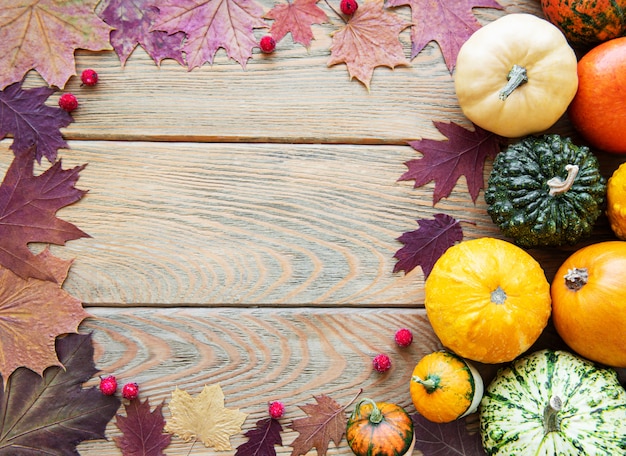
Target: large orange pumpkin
[487,300]
[589,302]
[598,110]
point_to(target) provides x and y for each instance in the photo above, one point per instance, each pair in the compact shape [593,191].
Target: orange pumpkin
[487,300]
[589,302]
[598,110]
[380,429]
[445,387]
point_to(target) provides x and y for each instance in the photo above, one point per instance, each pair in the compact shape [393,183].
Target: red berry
[108,385]
[89,77]
[381,363]
[68,102]
[267,44]
[349,7]
[403,337]
[130,391]
[276,409]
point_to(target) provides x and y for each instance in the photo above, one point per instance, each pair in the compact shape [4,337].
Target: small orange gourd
[445,387]
[589,302]
[487,300]
[380,429]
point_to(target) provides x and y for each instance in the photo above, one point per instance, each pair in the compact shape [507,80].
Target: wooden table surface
[243,223]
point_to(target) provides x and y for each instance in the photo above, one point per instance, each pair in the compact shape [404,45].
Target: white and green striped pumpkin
[554,403]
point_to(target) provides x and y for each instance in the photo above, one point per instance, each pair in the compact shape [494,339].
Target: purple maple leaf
[33,124]
[424,246]
[133,21]
[28,206]
[450,23]
[446,439]
[262,439]
[142,430]
[463,153]
[213,24]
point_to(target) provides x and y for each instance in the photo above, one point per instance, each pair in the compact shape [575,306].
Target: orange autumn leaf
[33,313]
[368,40]
[204,418]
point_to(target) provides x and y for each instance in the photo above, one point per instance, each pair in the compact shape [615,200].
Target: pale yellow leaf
[204,417]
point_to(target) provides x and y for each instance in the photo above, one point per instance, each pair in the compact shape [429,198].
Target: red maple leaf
[368,40]
[33,124]
[28,205]
[133,20]
[142,430]
[463,153]
[424,246]
[296,17]
[448,22]
[213,24]
[326,422]
[262,439]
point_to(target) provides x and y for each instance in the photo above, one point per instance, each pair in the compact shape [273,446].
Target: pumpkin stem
[558,186]
[430,384]
[576,278]
[498,296]
[516,77]
[376,416]
[550,415]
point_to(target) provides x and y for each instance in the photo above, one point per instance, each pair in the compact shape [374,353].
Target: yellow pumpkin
[487,300]
[616,201]
[516,75]
[589,302]
[445,387]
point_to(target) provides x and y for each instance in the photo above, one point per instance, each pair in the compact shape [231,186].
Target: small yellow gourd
[616,201]
[445,387]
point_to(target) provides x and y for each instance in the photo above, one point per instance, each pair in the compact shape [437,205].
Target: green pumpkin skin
[516,418]
[518,192]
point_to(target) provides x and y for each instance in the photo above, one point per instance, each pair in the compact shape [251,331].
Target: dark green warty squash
[545,191]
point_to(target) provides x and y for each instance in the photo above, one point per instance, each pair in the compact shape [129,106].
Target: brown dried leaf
[326,421]
[33,313]
[369,39]
[204,417]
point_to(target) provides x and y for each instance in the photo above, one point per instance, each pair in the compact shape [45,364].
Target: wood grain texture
[253,224]
[256,355]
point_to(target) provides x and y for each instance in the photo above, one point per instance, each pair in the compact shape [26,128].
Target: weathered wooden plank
[230,224]
[289,96]
[257,355]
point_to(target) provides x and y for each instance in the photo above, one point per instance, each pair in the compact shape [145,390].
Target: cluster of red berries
[382,362]
[68,101]
[108,387]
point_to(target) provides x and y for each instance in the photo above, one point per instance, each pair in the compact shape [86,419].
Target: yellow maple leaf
[204,417]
